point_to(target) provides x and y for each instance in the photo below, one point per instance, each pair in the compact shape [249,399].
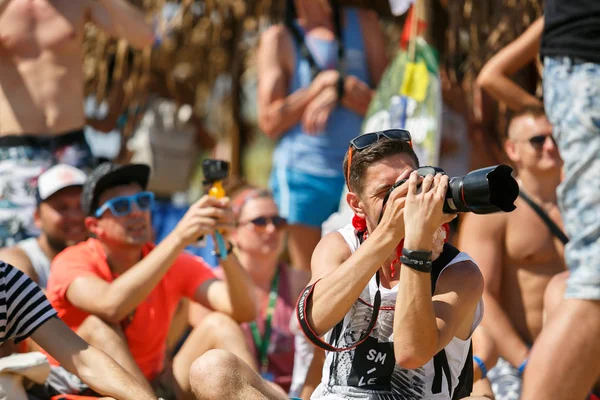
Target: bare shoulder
[463,276]
[275,48]
[329,254]
[276,36]
[16,257]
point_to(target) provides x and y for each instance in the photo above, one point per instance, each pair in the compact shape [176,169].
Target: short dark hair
[363,159]
[529,111]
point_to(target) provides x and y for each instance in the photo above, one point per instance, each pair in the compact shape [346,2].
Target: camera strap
[337,330]
[299,37]
[554,229]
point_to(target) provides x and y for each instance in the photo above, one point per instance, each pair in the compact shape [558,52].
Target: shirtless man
[516,252]
[42,93]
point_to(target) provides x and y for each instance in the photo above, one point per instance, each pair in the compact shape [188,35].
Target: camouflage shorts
[22,159]
[506,381]
[572,102]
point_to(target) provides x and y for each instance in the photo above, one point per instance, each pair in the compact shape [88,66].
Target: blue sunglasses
[122,206]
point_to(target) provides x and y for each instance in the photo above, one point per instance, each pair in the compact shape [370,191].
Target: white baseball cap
[57,178]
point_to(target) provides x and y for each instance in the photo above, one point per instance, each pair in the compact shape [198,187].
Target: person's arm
[484,347]
[115,300]
[494,77]
[482,237]
[278,111]
[234,296]
[342,276]
[423,325]
[92,366]
[357,94]
[18,259]
[122,20]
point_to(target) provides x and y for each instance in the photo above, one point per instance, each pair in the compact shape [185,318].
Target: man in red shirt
[120,292]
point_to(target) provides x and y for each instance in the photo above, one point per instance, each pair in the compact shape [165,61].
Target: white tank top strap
[349,234]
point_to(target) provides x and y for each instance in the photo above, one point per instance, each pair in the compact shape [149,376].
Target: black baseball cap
[108,175]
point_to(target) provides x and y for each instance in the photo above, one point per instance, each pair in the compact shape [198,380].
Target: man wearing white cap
[59,217]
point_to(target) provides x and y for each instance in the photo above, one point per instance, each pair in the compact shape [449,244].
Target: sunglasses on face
[538,141]
[368,139]
[123,205]
[262,222]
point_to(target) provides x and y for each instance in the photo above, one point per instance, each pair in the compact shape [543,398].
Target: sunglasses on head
[368,139]
[123,205]
[538,141]
[261,222]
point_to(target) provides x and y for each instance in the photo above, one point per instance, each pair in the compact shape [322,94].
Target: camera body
[215,170]
[483,191]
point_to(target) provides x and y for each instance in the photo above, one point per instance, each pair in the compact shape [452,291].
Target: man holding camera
[517,252]
[389,259]
[119,292]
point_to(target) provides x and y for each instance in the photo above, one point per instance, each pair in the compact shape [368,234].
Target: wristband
[417,265]
[521,368]
[481,366]
[417,255]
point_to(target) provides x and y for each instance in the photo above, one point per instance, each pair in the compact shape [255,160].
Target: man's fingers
[442,186]
[428,182]
[412,183]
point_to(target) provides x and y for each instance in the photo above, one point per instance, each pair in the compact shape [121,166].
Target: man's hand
[316,115]
[325,79]
[423,213]
[393,215]
[205,217]
[357,95]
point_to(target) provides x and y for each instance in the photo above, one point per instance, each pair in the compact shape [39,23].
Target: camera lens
[484,191]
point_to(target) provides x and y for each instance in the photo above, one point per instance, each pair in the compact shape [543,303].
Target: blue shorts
[305,199]
[572,101]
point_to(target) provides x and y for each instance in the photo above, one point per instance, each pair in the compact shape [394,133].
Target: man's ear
[36,217]
[92,226]
[355,204]
[511,150]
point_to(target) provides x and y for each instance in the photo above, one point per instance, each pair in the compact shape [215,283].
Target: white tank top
[39,260]
[369,371]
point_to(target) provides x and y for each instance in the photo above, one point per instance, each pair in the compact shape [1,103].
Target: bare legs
[564,359]
[302,240]
[216,331]
[218,374]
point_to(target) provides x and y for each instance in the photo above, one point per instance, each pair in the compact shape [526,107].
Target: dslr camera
[483,191]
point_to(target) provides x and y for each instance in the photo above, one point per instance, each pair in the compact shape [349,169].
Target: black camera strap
[290,21]
[310,334]
[554,229]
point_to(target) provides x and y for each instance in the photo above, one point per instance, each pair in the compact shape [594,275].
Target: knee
[214,374]
[96,331]
[220,326]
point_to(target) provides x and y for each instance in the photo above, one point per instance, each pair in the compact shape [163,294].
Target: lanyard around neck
[262,343]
